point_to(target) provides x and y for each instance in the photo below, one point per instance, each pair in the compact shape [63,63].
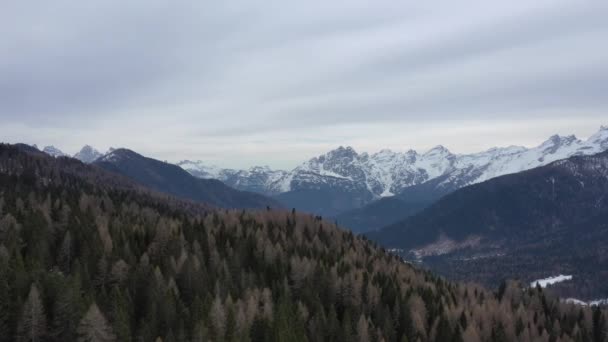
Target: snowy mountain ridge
[53,151]
[386,173]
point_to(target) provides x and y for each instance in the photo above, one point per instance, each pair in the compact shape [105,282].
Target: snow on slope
[256,178]
[200,169]
[596,302]
[53,151]
[550,281]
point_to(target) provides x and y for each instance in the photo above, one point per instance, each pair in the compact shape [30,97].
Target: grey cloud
[191,73]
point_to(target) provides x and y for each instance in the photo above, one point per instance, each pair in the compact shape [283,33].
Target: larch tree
[94,327]
[362,329]
[32,326]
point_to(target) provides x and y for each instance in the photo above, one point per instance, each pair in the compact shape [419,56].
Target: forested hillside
[529,225]
[85,256]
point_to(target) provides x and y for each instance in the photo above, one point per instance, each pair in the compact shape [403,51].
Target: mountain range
[173,180]
[87,154]
[368,191]
[343,180]
[529,225]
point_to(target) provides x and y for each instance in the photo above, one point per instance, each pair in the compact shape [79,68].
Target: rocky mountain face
[530,225]
[343,179]
[88,154]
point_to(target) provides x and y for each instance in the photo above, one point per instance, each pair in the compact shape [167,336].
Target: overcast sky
[240,83]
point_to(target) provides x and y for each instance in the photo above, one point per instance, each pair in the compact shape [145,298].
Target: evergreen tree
[67,310]
[32,326]
[599,326]
[120,315]
[5,305]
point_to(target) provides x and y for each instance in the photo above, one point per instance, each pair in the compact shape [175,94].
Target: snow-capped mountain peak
[53,151]
[88,154]
[438,150]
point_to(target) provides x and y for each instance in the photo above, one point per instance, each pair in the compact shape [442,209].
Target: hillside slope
[171,179]
[80,259]
[378,214]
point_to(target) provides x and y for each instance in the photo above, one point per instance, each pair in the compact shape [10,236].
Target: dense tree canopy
[87,260]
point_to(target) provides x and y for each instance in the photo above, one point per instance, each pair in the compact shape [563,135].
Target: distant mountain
[53,151]
[343,180]
[172,179]
[552,219]
[257,179]
[88,154]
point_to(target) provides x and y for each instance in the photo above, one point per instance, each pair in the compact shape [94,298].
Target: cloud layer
[275,82]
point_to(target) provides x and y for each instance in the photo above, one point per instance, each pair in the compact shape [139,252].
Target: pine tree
[599,326]
[5,305]
[94,327]
[120,315]
[444,332]
[33,320]
[65,253]
[66,312]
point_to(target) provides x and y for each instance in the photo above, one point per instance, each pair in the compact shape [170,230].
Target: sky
[241,83]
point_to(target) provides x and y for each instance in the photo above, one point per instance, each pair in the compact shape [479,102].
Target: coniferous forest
[86,255]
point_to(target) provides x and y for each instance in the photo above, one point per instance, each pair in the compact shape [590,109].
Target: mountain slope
[555,215]
[80,258]
[171,179]
[378,214]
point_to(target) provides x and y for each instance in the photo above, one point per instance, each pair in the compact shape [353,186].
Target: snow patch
[596,302]
[550,281]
